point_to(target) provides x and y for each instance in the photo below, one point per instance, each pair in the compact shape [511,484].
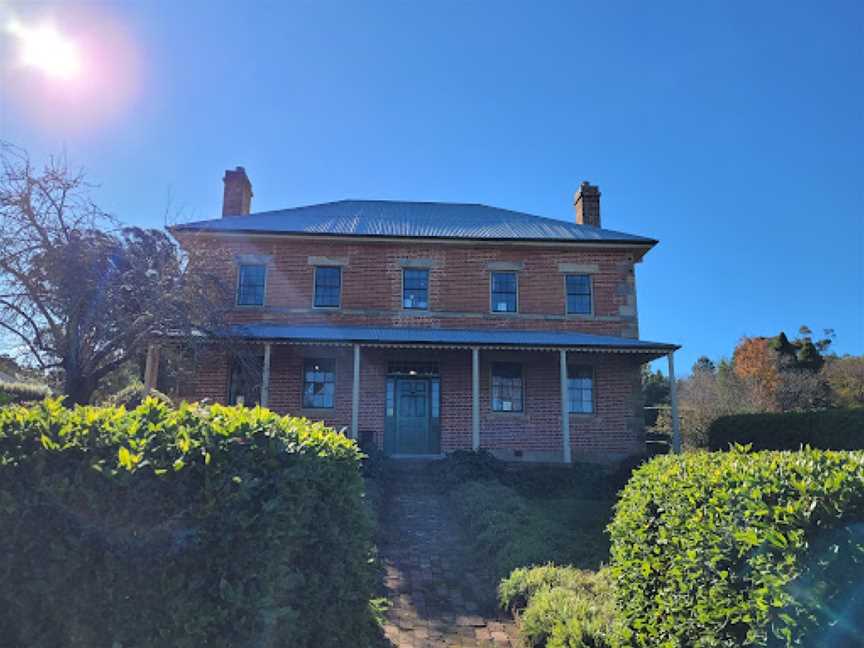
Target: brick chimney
[587,204]
[237,198]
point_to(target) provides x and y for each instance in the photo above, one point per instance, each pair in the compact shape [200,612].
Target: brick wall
[614,430]
[458,287]
[458,298]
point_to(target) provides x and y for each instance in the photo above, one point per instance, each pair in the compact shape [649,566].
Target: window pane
[504,292]
[580,389]
[319,383]
[579,294]
[391,398]
[415,289]
[436,399]
[507,387]
[328,282]
[250,285]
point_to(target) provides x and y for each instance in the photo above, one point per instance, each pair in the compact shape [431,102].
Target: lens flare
[46,49]
[76,69]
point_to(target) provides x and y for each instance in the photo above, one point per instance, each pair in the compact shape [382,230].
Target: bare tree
[708,393]
[845,376]
[79,293]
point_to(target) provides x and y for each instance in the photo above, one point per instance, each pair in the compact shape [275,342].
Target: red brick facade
[458,282]
[459,297]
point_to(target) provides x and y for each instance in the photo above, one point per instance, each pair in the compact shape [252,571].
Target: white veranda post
[673,397]
[565,410]
[265,377]
[475,398]
[355,393]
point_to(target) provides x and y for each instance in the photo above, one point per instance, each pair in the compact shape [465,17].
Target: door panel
[412,416]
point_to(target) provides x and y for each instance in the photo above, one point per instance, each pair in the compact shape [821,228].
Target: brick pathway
[439,598]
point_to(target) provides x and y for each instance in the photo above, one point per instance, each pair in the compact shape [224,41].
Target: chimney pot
[587,204]
[237,198]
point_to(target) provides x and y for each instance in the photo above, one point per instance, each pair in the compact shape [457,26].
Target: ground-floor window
[244,385]
[319,383]
[580,389]
[507,387]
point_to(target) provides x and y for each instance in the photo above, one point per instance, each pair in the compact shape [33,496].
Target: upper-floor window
[580,389]
[251,281]
[507,387]
[505,297]
[328,286]
[319,383]
[578,294]
[415,289]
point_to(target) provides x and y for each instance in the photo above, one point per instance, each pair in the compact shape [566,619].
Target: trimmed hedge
[221,527]
[824,429]
[131,396]
[733,549]
[17,392]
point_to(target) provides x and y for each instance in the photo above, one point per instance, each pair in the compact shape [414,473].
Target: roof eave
[647,243]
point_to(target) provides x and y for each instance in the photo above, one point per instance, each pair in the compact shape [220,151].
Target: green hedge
[221,527]
[562,607]
[826,429]
[131,396]
[732,549]
[17,392]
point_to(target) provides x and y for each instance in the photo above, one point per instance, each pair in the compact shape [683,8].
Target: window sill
[580,316]
[316,410]
[503,414]
[505,313]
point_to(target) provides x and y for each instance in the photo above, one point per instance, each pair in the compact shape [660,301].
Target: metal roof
[413,220]
[445,337]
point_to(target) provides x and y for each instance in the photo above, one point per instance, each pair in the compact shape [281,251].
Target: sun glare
[46,49]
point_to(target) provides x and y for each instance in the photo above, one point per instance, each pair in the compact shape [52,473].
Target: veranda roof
[438,337]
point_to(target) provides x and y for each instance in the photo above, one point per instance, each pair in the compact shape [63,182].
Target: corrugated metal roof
[413,220]
[400,335]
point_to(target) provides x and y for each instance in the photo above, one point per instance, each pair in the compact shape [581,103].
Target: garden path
[439,596]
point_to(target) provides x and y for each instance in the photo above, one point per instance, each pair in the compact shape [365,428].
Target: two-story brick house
[430,327]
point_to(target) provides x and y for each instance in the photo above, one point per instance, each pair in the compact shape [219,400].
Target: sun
[46,49]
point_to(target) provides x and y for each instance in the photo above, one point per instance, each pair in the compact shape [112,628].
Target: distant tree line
[765,374]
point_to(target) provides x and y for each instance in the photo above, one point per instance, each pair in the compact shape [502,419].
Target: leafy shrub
[375,464]
[731,549]
[579,479]
[190,527]
[462,466]
[562,607]
[133,395]
[22,392]
[587,480]
[825,429]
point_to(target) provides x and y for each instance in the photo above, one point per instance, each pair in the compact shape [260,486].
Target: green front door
[412,416]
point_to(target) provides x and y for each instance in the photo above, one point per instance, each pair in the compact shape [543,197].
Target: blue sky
[730,131]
